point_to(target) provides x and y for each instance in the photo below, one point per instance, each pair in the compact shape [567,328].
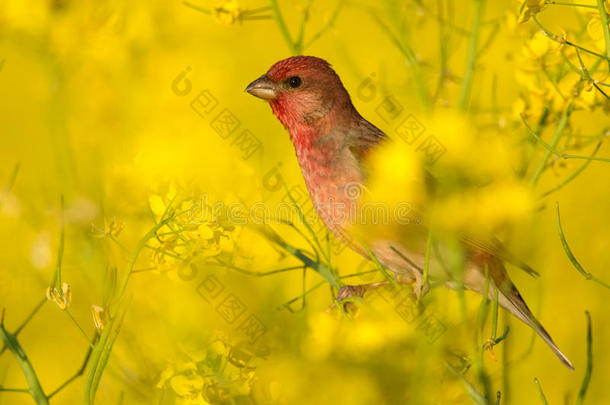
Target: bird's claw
[420,288]
[347,293]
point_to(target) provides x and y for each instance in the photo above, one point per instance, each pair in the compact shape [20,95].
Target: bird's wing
[494,247]
[508,296]
[491,245]
[364,137]
[367,136]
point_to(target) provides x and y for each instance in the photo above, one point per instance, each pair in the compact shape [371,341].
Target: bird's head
[305,93]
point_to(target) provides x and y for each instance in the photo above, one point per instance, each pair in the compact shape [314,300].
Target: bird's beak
[262,88]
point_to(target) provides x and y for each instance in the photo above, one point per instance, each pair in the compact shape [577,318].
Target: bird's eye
[294,82]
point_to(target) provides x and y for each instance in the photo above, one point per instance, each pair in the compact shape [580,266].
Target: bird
[332,142]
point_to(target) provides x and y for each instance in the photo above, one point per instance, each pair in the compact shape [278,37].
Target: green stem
[277,15]
[494,314]
[301,35]
[554,141]
[555,152]
[99,354]
[11,342]
[560,3]
[24,390]
[412,63]
[194,7]
[587,378]
[327,26]
[562,40]
[134,257]
[96,355]
[74,377]
[318,245]
[576,172]
[604,18]
[79,328]
[472,56]
[540,392]
[60,251]
[426,265]
[105,355]
[571,256]
[323,270]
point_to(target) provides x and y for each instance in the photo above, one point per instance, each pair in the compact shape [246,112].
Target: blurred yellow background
[111,105]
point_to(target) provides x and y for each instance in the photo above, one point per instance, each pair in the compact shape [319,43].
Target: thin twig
[587,378]
[571,256]
[472,55]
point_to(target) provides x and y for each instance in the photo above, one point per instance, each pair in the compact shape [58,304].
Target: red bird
[332,141]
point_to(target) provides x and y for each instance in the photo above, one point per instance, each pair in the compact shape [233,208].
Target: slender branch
[11,342]
[472,56]
[277,15]
[13,178]
[327,26]
[604,19]
[60,251]
[562,40]
[412,63]
[587,377]
[540,392]
[194,7]
[558,133]
[74,376]
[571,256]
[561,3]
[82,331]
[554,151]
[426,265]
[576,172]
[304,20]
[323,270]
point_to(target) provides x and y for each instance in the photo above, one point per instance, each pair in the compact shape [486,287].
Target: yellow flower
[595,30]
[62,298]
[227,13]
[197,400]
[540,45]
[165,376]
[186,385]
[396,176]
[112,227]
[157,206]
[529,8]
[484,210]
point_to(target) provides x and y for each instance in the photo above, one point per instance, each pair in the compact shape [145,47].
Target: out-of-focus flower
[62,298]
[595,31]
[530,8]
[224,370]
[540,46]
[112,227]
[40,252]
[227,13]
[484,211]
[186,385]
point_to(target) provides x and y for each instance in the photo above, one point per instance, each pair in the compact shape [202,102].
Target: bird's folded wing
[494,247]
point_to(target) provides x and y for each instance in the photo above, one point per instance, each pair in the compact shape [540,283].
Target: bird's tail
[517,306]
[510,299]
